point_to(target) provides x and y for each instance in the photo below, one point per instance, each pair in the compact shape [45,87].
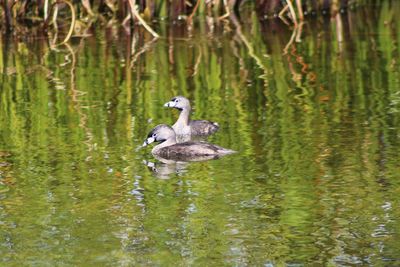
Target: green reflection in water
[315,182]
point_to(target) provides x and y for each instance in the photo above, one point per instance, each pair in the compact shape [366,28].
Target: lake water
[315,121]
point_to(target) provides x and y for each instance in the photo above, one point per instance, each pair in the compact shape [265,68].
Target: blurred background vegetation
[17,15]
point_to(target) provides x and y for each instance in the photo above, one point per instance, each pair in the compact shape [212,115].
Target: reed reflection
[317,130]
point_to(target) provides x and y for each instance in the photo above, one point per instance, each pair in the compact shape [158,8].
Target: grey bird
[185,126]
[168,148]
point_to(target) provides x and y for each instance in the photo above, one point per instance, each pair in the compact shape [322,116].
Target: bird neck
[184,117]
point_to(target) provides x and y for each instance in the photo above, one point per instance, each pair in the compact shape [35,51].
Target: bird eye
[176,100]
[154,135]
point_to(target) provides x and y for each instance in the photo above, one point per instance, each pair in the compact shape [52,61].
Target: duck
[169,148]
[185,126]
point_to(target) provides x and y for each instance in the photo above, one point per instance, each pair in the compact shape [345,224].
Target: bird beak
[148,141]
[169,104]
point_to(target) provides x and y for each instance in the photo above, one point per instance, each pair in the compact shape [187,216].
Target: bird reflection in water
[164,168]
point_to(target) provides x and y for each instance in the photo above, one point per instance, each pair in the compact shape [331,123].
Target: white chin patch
[170,104]
[148,141]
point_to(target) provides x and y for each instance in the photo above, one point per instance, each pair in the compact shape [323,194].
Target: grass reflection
[315,122]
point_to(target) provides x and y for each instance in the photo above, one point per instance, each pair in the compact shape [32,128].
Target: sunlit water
[315,181]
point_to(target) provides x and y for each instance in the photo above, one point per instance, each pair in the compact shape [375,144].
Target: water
[315,181]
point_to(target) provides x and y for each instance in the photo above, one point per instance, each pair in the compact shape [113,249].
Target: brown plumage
[187,151]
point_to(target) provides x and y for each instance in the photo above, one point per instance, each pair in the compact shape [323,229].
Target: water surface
[315,122]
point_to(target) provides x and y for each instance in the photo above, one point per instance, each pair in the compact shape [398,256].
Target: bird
[185,126]
[168,147]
